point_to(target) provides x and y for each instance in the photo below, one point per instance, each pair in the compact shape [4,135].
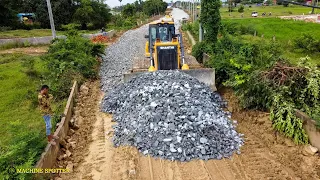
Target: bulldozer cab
[164,51]
[163,32]
[163,47]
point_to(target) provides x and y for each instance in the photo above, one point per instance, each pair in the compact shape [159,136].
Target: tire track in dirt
[266,154]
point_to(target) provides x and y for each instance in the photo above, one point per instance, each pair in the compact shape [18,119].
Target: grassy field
[285,31]
[35,33]
[22,128]
[275,10]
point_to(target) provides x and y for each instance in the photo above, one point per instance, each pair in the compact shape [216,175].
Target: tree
[236,2]
[211,19]
[128,10]
[84,13]
[7,14]
[230,6]
[101,15]
[257,1]
[151,7]
[62,11]
[90,11]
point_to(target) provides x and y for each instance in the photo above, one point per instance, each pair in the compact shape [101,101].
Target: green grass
[22,129]
[36,33]
[285,32]
[275,10]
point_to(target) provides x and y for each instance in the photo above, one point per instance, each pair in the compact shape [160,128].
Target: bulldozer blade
[205,75]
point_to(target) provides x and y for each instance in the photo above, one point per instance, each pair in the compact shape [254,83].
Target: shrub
[5,28]
[262,80]
[198,49]
[237,28]
[241,9]
[70,59]
[307,43]
[28,63]
[71,26]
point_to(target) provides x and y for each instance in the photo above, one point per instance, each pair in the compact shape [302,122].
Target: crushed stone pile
[171,115]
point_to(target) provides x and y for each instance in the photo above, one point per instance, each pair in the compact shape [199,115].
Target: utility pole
[189,8]
[200,25]
[51,19]
[193,10]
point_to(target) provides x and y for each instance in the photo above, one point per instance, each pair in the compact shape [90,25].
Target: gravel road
[119,56]
[264,155]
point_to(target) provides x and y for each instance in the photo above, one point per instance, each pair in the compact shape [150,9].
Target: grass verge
[22,129]
[36,33]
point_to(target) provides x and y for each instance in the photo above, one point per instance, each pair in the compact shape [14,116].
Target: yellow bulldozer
[164,50]
[164,47]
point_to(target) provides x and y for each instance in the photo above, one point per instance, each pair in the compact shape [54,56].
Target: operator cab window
[153,34]
[163,33]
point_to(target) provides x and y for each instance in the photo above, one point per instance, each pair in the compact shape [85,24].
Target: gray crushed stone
[119,56]
[171,115]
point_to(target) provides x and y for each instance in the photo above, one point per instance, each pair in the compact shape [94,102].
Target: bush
[71,59]
[5,28]
[198,49]
[35,25]
[241,9]
[237,28]
[263,80]
[71,26]
[307,43]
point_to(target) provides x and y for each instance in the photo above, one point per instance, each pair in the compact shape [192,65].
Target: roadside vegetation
[75,58]
[23,133]
[86,16]
[274,71]
[22,33]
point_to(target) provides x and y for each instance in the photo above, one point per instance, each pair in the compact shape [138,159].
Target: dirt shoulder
[268,154]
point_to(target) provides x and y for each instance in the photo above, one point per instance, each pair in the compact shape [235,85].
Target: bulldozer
[164,50]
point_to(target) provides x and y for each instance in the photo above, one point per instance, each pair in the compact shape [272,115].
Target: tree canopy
[64,11]
[210,18]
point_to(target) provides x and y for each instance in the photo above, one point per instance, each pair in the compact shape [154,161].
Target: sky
[113,3]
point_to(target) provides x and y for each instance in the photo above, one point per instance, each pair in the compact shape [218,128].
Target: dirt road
[265,155]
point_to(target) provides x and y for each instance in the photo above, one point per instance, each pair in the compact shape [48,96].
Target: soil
[265,155]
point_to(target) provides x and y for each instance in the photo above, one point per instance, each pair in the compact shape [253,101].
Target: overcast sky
[113,3]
